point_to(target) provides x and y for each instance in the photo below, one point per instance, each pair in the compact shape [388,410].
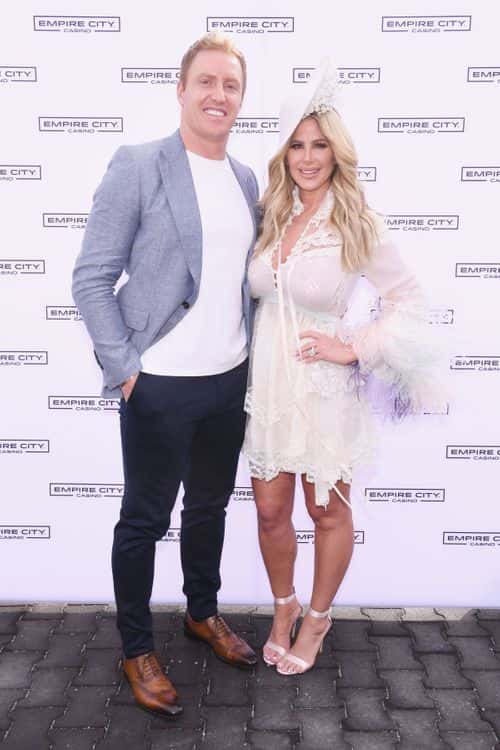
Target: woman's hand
[327,348]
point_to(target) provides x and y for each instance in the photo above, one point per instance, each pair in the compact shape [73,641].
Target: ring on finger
[312,351]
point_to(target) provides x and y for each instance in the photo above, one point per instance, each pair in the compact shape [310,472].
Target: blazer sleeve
[396,347]
[109,236]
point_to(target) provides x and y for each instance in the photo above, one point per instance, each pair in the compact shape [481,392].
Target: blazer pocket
[134,318]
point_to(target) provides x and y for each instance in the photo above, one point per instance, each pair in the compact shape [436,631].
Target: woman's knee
[271,518]
[274,502]
[334,516]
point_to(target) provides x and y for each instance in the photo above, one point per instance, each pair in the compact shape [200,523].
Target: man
[178,216]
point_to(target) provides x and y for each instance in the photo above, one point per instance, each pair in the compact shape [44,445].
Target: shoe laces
[221,627]
[151,666]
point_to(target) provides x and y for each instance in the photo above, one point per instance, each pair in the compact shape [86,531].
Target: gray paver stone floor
[382,681]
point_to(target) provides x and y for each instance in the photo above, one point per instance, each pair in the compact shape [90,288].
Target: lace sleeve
[396,347]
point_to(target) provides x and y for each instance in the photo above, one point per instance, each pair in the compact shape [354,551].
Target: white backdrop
[421,98]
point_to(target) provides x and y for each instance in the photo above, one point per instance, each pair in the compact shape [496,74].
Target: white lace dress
[315,419]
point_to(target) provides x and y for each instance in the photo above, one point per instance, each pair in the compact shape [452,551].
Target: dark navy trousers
[173,430]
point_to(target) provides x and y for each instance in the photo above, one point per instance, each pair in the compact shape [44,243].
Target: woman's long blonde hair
[350,214]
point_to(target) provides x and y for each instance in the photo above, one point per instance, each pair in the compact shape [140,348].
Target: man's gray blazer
[145,221]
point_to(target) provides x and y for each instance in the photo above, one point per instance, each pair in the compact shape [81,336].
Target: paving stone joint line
[351,698]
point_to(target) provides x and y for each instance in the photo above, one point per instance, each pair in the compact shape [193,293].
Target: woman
[308,414]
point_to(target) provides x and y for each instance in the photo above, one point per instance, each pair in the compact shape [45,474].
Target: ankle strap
[285,599]
[319,615]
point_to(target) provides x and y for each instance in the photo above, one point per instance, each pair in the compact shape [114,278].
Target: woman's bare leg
[334,541]
[278,545]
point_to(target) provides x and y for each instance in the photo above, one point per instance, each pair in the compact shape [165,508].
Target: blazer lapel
[181,195]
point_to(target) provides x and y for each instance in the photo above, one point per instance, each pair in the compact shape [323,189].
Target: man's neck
[208,149]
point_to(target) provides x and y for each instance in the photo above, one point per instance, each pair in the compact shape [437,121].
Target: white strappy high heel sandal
[279,650]
[305,666]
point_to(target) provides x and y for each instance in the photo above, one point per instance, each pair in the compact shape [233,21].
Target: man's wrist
[128,380]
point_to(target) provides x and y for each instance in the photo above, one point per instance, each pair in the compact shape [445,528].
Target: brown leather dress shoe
[225,644]
[151,687]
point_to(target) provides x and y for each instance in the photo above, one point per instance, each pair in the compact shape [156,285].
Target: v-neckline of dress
[323,210]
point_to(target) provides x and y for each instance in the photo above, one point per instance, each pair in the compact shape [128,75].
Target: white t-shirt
[211,337]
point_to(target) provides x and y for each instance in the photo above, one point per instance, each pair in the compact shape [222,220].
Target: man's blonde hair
[214,40]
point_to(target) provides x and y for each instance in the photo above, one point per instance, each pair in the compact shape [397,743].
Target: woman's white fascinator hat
[320,94]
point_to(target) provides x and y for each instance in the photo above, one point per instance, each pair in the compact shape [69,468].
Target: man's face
[211,97]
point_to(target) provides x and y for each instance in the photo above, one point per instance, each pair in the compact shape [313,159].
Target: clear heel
[278,652]
[301,665]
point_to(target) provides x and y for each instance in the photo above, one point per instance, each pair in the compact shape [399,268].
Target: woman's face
[309,157]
